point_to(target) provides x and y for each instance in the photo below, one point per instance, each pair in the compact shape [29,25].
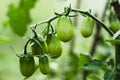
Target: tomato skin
[44,64]
[65,29]
[27,65]
[87,27]
[37,49]
[54,47]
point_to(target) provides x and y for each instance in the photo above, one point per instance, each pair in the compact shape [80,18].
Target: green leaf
[84,59]
[113,41]
[19,17]
[109,75]
[27,4]
[93,65]
[93,77]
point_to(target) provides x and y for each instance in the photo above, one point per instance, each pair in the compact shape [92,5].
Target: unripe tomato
[87,27]
[44,64]
[114,22]
[37,49]
[54,47]
[65,29]
[115,25]
[27,65]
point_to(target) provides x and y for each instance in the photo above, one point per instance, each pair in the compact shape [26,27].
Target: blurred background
[66,67]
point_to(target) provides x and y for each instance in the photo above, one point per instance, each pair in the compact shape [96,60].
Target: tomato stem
[96,19]
[48,27]
[67,10]
[25,47]
[35,34]
[52,28]
[47,21]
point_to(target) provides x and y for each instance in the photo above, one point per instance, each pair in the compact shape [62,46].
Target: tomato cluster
[49,44]
[27,62]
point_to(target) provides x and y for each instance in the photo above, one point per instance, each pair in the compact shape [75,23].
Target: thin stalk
[47,21]
[48,27]
[52,28]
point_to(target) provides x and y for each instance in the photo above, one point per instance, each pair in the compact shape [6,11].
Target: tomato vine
[64,32]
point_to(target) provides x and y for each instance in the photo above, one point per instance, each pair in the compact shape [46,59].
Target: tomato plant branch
[95,18]
[47,21]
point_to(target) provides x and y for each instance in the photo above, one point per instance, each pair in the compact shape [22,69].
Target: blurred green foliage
[19,17]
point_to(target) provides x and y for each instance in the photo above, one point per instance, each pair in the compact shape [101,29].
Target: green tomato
[115,25]
[54,47]
[27,65]
[114,22]
[65,29]
[87,27]
[44,64]
[37,49]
